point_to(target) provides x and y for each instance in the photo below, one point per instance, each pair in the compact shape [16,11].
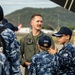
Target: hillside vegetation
[53,17]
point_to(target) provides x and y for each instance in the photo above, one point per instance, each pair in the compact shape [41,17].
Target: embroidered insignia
[29,41]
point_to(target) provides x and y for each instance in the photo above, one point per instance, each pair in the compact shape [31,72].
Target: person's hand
[27,63]
[52,50]
[19,26]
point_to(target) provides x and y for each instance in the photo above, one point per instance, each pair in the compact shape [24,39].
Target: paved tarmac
[22,70]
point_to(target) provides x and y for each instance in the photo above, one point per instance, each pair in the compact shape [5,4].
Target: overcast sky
[12,5]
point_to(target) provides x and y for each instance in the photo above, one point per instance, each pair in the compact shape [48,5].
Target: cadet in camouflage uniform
[12,50]
[41,63]
[66,56]
[29,42]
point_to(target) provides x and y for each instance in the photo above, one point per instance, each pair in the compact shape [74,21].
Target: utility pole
[18,19]
[58,20]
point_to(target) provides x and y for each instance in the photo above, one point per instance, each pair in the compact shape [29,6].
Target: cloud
[23,1]
[12,5]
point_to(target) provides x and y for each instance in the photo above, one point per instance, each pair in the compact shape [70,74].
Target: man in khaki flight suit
[29,42]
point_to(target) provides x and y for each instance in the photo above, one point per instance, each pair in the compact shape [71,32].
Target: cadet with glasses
[65,58]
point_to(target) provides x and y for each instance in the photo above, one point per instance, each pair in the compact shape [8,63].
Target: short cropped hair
[35,15]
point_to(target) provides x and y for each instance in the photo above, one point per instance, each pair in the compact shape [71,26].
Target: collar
[40,34]
[67,45]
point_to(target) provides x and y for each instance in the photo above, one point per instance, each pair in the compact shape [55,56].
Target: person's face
[37,22]
[63,39]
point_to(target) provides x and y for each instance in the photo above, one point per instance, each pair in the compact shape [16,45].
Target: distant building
[25,30]
[47,31]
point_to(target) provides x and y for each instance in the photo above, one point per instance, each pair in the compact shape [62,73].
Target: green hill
[53,17]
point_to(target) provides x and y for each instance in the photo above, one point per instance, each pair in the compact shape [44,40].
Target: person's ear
[31,22]
[68,37]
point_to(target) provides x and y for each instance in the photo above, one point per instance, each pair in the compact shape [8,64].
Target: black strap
[2,28]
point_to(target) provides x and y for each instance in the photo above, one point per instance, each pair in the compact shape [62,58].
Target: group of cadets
[51,62]
[36,51]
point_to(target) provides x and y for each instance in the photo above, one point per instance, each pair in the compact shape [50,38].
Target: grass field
[54,38]
[19,37]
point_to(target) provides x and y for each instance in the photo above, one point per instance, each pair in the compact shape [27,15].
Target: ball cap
[63,30]
[44,41]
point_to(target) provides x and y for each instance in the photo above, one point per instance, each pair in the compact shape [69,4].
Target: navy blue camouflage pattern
[12,52]
[66,60]
[2,63]
[41,64]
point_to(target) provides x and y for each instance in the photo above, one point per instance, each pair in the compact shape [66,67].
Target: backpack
[2,41]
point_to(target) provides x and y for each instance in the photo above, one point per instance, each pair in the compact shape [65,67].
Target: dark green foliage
[53,17]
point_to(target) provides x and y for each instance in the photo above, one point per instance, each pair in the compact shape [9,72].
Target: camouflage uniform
[29,48]
[66,60]
[12,52]
[2,63]
[41,64]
